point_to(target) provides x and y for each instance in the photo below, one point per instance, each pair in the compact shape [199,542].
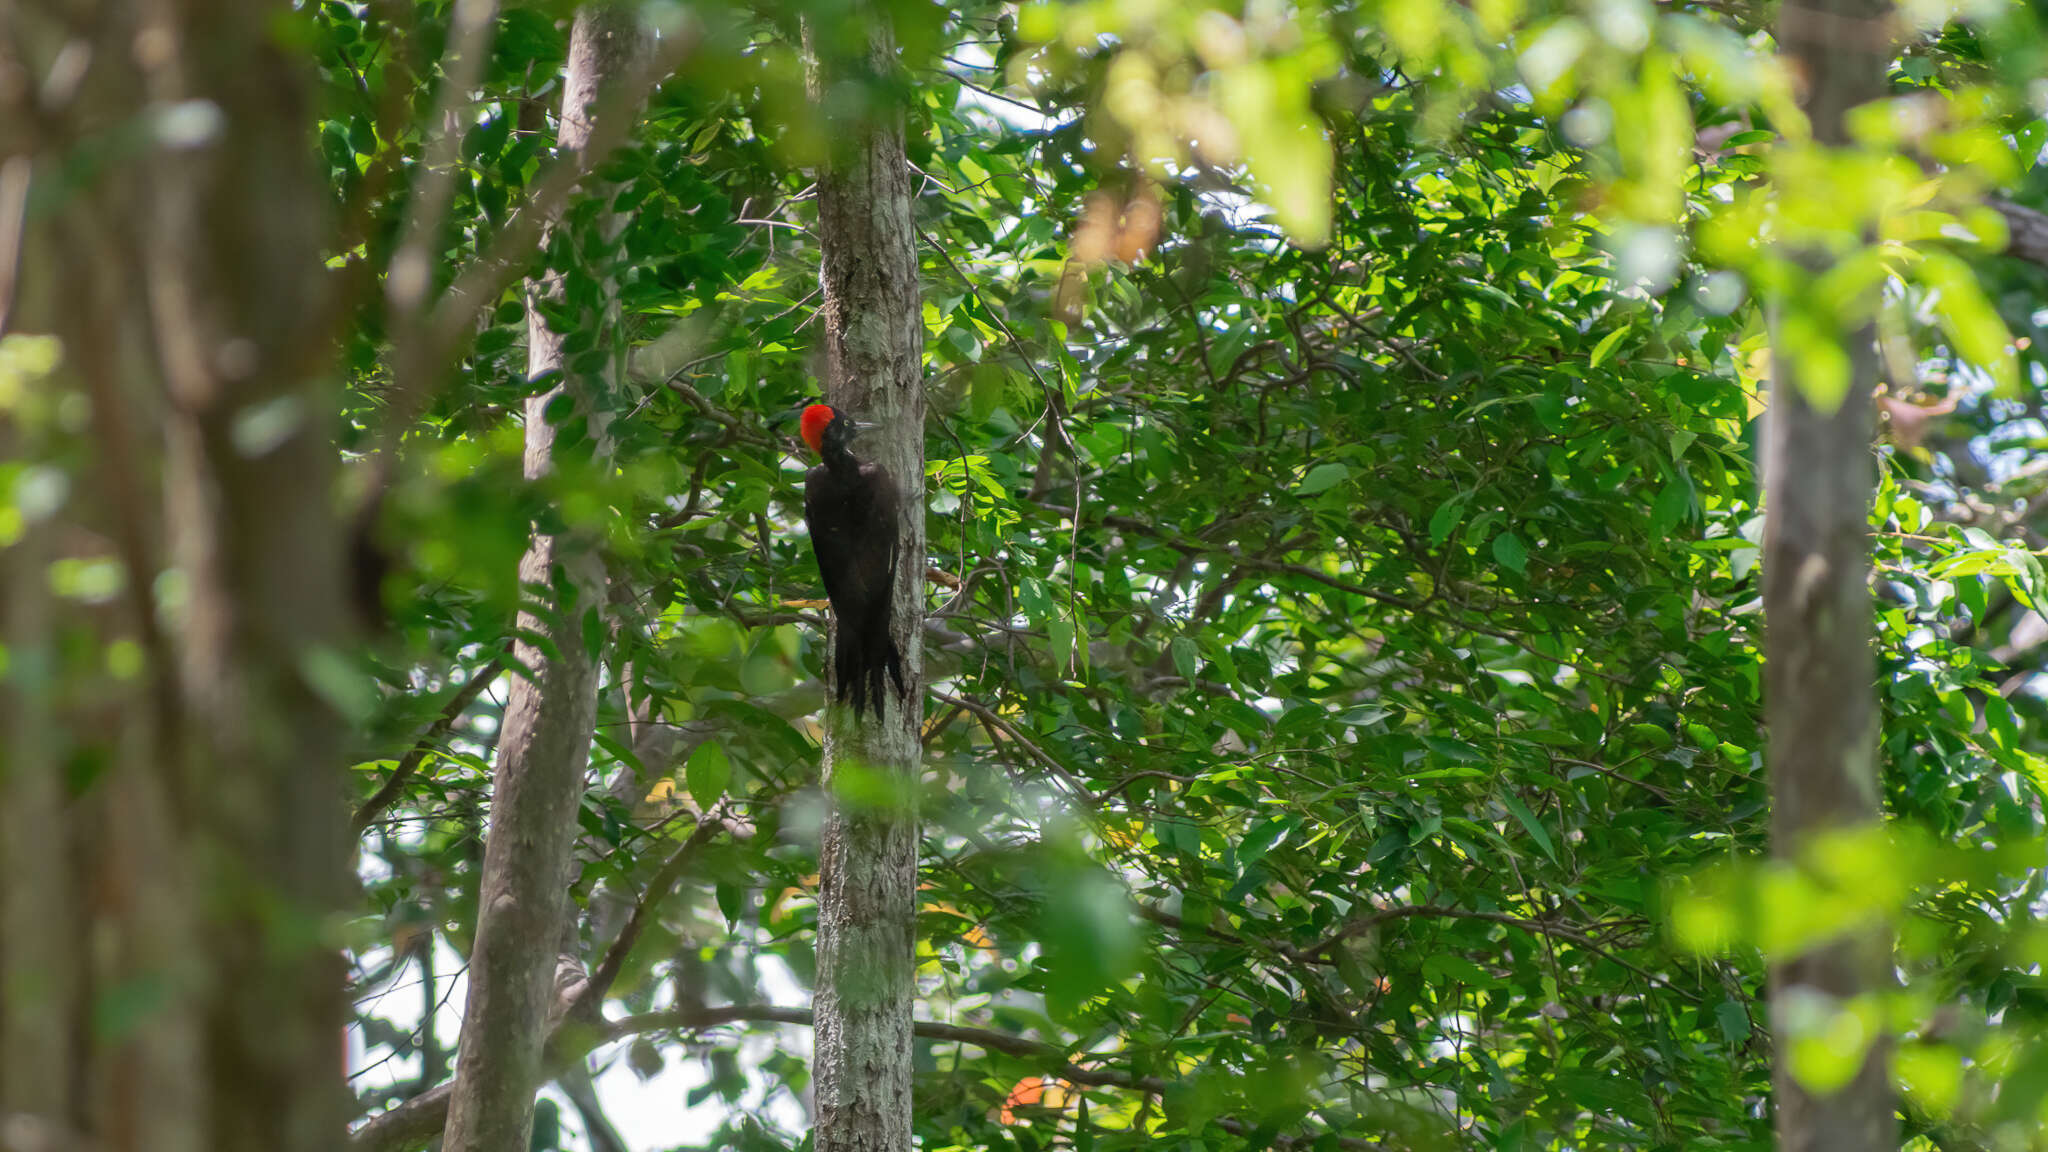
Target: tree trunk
[867,894]
[42,942]
[544,751]
[173,798]
[1821,705]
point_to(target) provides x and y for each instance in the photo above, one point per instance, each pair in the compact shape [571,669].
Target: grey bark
[1820,700]
[182,279]
[549,716]
[874,340]
[2027,230]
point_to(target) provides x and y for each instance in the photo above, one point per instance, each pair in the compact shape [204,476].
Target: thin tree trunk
[1821,702]
[42,942]
[867,895]
[552,709]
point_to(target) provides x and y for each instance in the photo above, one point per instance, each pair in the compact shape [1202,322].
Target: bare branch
[433,339]
[462,66]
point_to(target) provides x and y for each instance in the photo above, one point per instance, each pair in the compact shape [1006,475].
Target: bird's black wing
[882,540]
[855,547]
[852,519]
[824,515]
[885,537]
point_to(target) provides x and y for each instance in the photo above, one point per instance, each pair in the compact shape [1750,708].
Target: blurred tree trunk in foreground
[1820,702]
[170,740]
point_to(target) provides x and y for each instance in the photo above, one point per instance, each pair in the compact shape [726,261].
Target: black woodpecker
[851,506]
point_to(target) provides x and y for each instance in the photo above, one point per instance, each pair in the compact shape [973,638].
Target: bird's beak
[865,426]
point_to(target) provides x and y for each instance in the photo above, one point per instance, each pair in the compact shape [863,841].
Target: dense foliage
[1342,654]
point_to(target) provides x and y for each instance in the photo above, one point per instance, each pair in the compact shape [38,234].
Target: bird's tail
[860,665]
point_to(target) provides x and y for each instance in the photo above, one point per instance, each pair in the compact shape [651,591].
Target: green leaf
[1970,319]
[707,774]
[1060,646]
[1527,820]
[1510,551]
[1090,938]
[1445,521]
[1268,102]
[732,902]
[1261,839]
[1033,597]
[1733,1019]
[1322,478]
[1606,346]
[1813,360]
[1451,968]
[1671,506]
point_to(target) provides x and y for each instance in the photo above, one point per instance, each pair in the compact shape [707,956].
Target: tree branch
[1253,560]
[998,725]
[452,711]
[2028,229]
[1051,1055]
[1576,936]
[411,273]
[433,336]
[416,1121]
[664,880]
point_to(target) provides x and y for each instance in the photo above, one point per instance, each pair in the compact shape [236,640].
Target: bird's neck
[840,459]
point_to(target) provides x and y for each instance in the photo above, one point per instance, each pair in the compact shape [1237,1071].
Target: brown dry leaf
[1909,421]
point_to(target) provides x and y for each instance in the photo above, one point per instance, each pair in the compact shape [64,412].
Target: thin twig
[989,717]
[1266,564]
[1543,928]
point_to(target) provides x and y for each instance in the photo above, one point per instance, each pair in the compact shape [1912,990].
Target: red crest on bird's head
[816,417]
